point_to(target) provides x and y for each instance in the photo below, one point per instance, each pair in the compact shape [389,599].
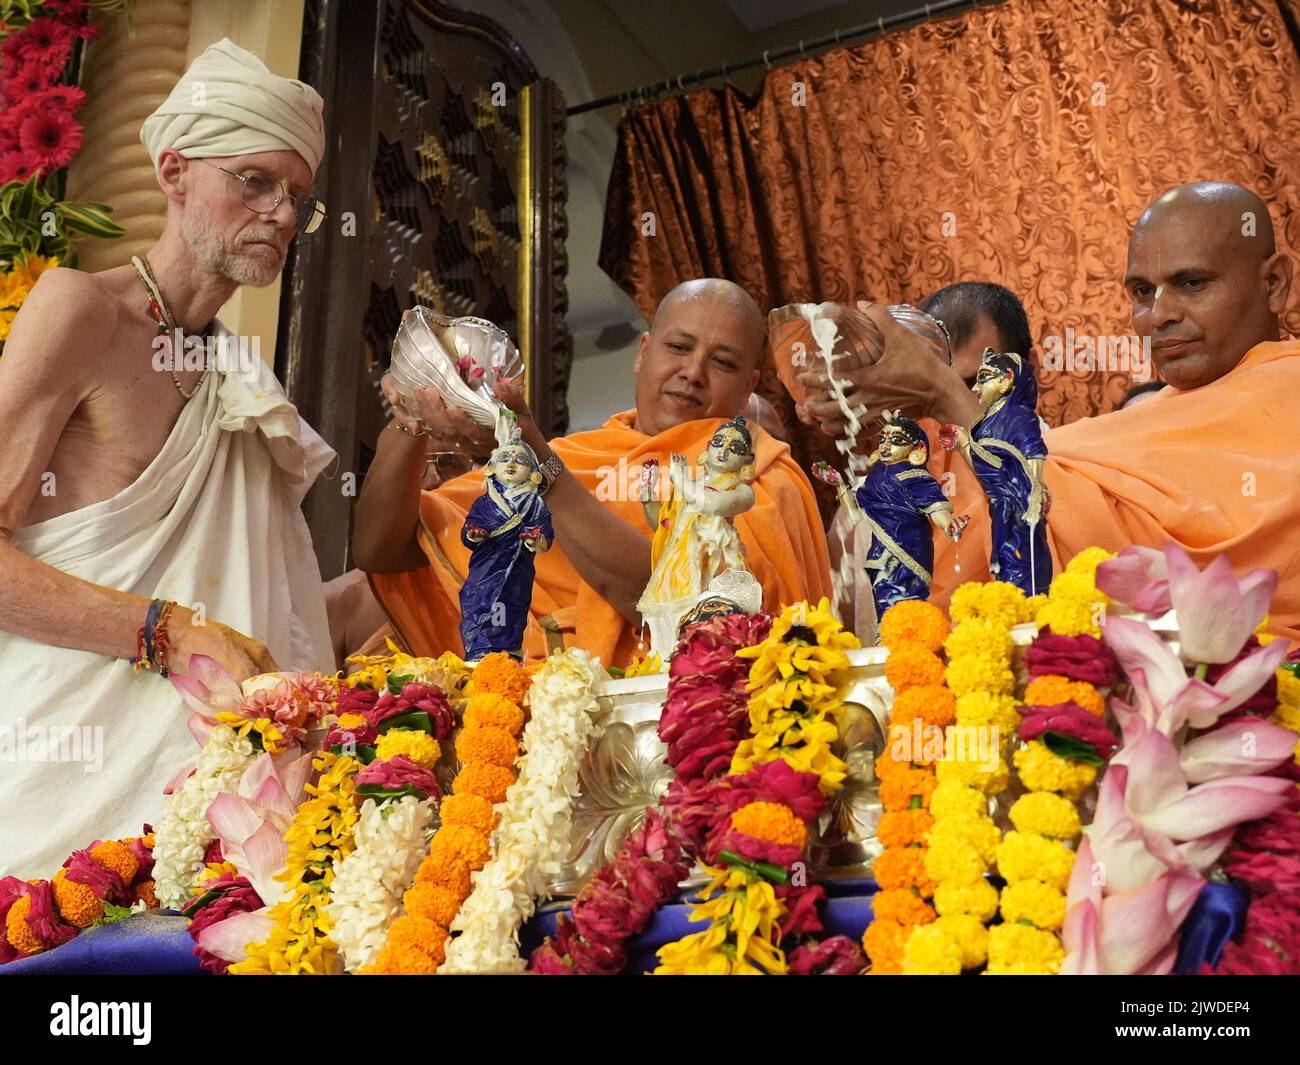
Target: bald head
[700,357]
[1206,280]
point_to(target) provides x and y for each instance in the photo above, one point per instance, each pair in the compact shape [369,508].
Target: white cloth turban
[228,103]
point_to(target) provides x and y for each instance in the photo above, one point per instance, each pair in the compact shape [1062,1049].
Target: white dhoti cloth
[214,520]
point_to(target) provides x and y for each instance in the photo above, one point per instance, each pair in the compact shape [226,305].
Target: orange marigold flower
[403,961]
[887,765]
[488,708]
[418,933]
[899,828]
[884,941]
[1051,689]
[77,903]
[432,902]
[144,892]
[898,789]
[468,809]
[460,843]
[501,674]
[454,876]
[490,781]
[772,822]
[902,905]
[486,744]
[20,937]
[932,703]
[112,855]
[910,664]
[903,867]
[914,620]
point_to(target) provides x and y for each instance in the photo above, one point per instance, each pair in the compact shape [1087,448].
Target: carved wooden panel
[462,148]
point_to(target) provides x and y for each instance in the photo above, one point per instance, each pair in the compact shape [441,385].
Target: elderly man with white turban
[149,498]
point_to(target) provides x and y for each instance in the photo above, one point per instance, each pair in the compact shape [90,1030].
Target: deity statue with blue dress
[506,528]
[899,500]
[1005,449]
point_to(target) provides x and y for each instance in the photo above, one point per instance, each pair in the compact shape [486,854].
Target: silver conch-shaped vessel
[458,358]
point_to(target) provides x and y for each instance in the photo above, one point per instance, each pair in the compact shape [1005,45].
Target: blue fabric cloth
[1008,488]
[1217,916]
[898,497]
[159,944]
[498,589]
[145,944]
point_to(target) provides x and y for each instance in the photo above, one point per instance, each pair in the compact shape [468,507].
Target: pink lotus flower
[1167,698]
[251,823]
[1216,612]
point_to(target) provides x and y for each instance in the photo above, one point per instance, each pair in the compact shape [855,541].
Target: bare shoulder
[67,314]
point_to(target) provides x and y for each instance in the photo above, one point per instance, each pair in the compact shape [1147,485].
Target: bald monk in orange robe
[1211,462]
[695,368]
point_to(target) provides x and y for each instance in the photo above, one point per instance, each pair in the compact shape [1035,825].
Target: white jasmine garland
[183,834]
[369,882]
[532,837]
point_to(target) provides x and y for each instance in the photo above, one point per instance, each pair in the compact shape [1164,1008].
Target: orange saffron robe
[782,533]
[1215,469]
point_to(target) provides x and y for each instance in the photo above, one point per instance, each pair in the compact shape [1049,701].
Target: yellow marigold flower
[910,664]
[1087,561]
[990,710]
[351,720]
[452,875]
[113,855]
[772,822]
[489,709]
[501,674]
[490,781]
[1069,618]
[1052,689]
[975,773]
[460,843]
[1041,770]
[1288,717]
[979,673]
[980,832]
[931,951]
[77,903]
[950,860]
[1025,857]
[1073,586]
[954,799]
[996,601]
[979,899]
[1019,950]
[969,933]
[432,902]
[20,936]
[1032,900]
[418,746]
[1288,689]
[485,744]
[1045,814]
[982,637]
[914,620]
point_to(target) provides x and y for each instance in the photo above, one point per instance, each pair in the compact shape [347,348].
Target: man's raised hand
[239,655]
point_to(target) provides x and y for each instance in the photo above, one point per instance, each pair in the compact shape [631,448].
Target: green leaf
[413,719]
[1069,748]
[90,219]
[1292,667]
[113,913]
[365,753]
[378,791]
[396,684]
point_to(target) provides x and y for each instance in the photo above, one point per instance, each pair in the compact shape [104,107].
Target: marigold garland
[923,706]
[416,942]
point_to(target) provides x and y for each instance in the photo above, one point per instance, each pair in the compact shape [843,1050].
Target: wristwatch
[551,469]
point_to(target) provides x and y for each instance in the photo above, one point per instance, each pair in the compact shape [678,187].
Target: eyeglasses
[263,195]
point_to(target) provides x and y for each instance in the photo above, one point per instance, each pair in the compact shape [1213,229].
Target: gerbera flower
[47,44]
[16,166]
[51,138]
[27,80]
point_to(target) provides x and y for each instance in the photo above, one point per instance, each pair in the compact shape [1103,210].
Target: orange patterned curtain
[1015,144]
